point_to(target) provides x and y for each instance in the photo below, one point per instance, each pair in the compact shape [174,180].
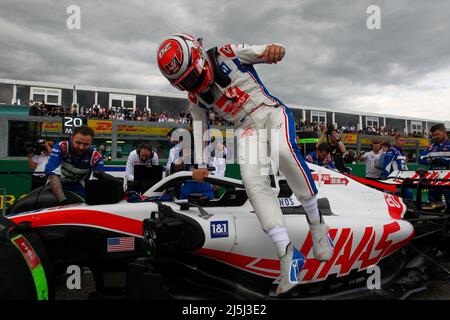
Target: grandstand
[22,92]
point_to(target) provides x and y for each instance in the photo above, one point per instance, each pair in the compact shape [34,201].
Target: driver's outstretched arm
[253,54]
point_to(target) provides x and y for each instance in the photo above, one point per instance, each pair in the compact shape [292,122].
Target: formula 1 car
[420,180]
[396,178]
[200,248]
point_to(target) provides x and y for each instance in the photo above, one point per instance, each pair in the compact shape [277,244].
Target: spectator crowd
[103,113]
[380,131]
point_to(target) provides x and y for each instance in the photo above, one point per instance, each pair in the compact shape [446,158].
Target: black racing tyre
[26,273]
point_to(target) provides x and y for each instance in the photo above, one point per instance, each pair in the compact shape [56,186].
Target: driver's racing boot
[290,264]
[322,243]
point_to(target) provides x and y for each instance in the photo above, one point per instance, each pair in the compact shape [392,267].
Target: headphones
[145,145]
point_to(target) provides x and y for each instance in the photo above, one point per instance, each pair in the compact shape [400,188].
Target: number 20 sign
[70,123]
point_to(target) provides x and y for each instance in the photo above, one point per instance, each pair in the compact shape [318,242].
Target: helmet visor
[192,77]
[192,81]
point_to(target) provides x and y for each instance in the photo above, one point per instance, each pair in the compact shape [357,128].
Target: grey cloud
[332,59]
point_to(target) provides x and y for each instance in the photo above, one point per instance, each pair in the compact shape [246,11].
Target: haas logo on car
[395,206]
[352,251]
[369,250]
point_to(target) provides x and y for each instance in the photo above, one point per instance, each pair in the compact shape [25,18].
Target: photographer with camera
[322,156]
[38,156]
[331,137]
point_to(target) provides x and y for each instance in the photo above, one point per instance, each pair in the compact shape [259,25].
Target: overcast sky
[333,60]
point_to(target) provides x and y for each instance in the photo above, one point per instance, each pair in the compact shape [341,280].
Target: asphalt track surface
[436,289]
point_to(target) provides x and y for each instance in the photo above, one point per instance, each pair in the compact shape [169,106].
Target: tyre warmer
[18,238]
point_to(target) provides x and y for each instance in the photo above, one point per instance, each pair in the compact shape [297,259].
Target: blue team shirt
[439,154]
[73,169]
[394,159]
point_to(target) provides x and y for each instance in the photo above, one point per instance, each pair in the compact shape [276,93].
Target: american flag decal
[120,244]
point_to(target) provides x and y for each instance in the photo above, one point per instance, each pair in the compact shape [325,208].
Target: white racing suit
[248,104]
[278,121]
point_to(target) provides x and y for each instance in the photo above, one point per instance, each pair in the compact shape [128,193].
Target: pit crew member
[176,152]
[219,160]
[142,155]
[217,155]
[71,163]
[395,158]
[437,156]
[224,81]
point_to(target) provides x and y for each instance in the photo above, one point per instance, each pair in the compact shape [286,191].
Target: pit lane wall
[15,178]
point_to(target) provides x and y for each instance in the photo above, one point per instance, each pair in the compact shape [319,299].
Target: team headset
[148,146]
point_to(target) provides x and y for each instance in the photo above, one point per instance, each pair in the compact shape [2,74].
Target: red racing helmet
[185,63]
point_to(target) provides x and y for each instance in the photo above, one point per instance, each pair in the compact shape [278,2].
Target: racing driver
[224,81]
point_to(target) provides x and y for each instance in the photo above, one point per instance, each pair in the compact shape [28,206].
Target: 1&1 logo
[219,229]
